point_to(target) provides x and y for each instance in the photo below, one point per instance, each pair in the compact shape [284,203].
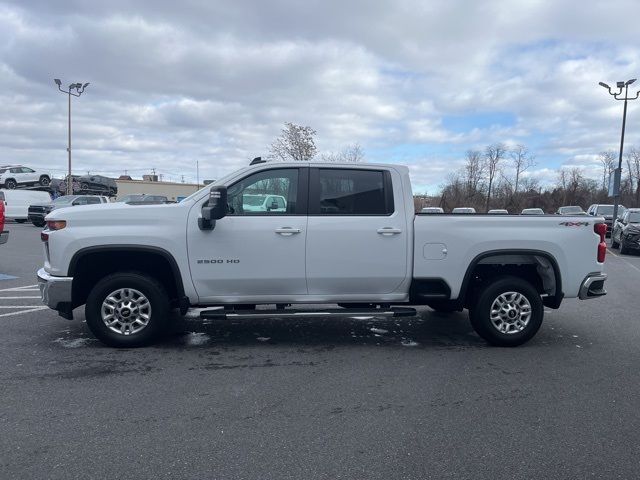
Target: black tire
[39,224]
[150,288]
[614,244]
[20,220]
[44,181]
[443,306]
[480,313]
[10,184]
[623,248]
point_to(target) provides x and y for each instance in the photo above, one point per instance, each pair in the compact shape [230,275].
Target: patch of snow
[263,339]
[73,343]
[379,330]
[409,343]
[196,338]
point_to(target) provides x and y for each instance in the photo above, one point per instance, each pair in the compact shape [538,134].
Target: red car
[4,236]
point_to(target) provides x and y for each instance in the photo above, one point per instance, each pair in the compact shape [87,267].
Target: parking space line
[26,288]
[23,311]
[20,306]
[18,298]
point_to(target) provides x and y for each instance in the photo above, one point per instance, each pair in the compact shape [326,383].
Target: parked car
[432,210]
[498,211]
[142,198]
[463,210]
[369,248]
[98,183]
[13,176]
[606,211]
[532,211]
[4,236]
[37,212]
[626,231]
[570,210]
[17,203]
[263,203]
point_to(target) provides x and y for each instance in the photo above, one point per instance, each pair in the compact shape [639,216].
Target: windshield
[634,217]
[571,209]
[63,200]
[605,210]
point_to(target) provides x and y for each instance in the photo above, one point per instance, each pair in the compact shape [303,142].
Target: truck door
[357,232]
[253,252]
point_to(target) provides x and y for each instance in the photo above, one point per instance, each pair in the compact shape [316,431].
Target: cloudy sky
[413,82]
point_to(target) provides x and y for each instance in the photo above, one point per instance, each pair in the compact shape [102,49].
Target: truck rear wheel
[508,312]
[127,310]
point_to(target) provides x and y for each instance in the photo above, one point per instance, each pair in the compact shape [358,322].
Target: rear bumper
[55,291]
[4,236]
[593,286]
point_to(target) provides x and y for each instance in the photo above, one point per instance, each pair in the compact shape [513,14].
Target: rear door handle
[389,231]
[287,231]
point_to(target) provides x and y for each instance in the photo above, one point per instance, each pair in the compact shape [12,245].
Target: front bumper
[55,291]
[4,236]
[593,286]
[35,217]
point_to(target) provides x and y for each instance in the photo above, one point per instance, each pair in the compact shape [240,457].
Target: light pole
[79,88]
[617,175]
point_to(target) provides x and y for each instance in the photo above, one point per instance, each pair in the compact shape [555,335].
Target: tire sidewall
[154,292]
[44,180]
[10,184]
[480,314]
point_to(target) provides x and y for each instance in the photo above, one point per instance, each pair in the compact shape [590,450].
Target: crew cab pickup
[347,235]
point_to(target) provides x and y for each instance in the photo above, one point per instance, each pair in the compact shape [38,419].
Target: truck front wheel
[508,312]
[127,310]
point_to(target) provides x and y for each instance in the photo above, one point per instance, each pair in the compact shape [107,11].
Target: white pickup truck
[348,236]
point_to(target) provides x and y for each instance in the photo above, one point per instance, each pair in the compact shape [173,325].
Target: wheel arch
[148,259]
[541,259]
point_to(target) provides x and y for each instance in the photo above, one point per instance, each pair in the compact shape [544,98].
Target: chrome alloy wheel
[126,311]
[510,312]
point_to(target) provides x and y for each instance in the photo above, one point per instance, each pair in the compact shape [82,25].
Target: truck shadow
[428,329]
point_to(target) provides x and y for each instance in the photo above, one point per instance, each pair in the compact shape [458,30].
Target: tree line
[495,177]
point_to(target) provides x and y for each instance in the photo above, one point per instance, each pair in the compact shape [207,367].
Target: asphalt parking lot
[370,398]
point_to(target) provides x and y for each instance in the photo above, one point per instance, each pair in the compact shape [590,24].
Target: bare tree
[295,143]
[633,162]
[493,155]
[607,159]
[350,153]
[522,160]
[473,172]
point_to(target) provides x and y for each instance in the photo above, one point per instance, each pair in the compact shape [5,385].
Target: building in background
[150,186]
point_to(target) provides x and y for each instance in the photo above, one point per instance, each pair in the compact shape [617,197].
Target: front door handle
[287,231]
[389,231]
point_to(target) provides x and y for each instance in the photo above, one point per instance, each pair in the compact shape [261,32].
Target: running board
[290,313]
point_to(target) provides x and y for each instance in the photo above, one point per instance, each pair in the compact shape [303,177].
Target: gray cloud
[172,83]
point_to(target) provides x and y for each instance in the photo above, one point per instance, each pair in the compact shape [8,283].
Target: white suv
[12,176]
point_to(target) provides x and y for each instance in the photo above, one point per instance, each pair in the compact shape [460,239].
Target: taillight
[601,229]
[56,224]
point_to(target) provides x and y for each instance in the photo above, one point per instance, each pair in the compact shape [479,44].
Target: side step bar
[291,313]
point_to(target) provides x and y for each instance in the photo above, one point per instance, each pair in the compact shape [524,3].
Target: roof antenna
[257,160]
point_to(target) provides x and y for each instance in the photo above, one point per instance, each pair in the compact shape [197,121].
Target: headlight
[56,224]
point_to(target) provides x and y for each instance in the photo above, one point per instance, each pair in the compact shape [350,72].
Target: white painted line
[21,306]
[18,298]
[20,289]
[22,311]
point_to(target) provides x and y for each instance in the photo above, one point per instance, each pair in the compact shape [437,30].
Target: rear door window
[342,191]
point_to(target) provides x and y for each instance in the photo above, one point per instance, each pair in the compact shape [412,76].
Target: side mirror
[214,209]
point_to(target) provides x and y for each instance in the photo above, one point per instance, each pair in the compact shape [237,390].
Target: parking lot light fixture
[79,90]
[621,86]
